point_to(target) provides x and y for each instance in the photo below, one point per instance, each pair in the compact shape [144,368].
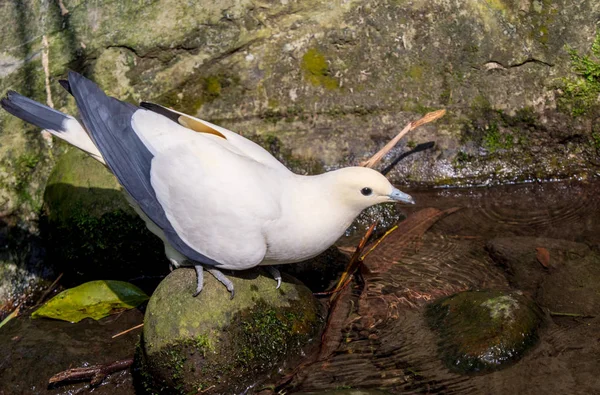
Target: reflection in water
[386,342]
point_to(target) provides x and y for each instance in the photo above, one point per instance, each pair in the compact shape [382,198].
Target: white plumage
[215,198]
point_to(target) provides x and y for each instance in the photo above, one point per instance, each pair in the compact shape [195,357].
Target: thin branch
[95,374]
[49,289]
[128,330]
[429,117]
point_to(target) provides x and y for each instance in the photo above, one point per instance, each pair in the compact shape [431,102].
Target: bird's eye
[366,191]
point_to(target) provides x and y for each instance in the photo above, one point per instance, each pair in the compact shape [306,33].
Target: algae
[316,70]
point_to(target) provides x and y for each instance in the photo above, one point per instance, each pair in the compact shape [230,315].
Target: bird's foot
[276,275]
[223,280]
[200,278]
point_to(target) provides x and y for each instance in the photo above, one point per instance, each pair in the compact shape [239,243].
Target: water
[384,343]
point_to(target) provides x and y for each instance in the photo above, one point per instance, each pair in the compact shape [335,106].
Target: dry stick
[95,373]
[128,330]
[356,259]
[429,117]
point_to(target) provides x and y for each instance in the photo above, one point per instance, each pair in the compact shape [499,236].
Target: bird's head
[361,187]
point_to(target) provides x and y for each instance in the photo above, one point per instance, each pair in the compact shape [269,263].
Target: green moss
[316,70]
[581,93]
[493,140]
[416,73]
[188,346]
[212,86]
[484,330]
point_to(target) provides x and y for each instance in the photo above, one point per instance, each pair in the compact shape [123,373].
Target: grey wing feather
[109,122]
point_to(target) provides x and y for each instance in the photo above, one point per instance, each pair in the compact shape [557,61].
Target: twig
[429,117]
[128,330]
[352,265]
[49,289]
[95,373]
[575,315]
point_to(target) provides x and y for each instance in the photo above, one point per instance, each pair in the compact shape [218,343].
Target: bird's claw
[217,274]
[223,280]
[276,275]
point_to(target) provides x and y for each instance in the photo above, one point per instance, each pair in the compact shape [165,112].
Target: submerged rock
[91,229]
[223,345]
[33,350]
[570,282]
[481,331]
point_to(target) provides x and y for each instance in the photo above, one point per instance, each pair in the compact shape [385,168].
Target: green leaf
[94,299]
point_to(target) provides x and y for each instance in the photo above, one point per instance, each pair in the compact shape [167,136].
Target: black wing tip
[66,85]
[157,108]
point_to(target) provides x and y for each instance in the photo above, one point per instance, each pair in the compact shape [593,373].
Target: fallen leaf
[10,316]
[94,299]
[402,240]
[543,256]
[375,306]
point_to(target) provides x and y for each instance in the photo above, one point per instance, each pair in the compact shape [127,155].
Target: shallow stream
[385,343]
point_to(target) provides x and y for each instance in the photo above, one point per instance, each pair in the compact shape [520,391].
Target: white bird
[215,198]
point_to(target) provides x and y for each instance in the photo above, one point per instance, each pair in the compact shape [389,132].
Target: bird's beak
[400,196]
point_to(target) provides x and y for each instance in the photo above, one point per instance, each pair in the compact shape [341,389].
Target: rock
[568,285]
[482,331]
[33,350]
[91,230]
[329,84]
[350,391]
[220,345]
[517,255]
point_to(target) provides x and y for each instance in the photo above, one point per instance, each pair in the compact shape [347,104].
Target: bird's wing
[129,153]
[219,203]
[247,147]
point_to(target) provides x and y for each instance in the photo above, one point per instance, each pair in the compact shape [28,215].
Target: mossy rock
[223,345]
[91,230]
[482,331]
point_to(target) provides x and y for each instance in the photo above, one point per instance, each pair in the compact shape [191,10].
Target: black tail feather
[33,112]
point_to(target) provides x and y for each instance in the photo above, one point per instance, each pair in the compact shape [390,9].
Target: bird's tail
[59,124]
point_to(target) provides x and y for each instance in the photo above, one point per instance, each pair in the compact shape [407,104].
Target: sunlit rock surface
[220,345]
[321,84]
[482,331]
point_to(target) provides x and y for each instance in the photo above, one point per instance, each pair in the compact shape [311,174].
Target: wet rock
[517,255]
[568,285]
[349,391]
[33,350]
[482,331]
[220,345]
[91,230]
